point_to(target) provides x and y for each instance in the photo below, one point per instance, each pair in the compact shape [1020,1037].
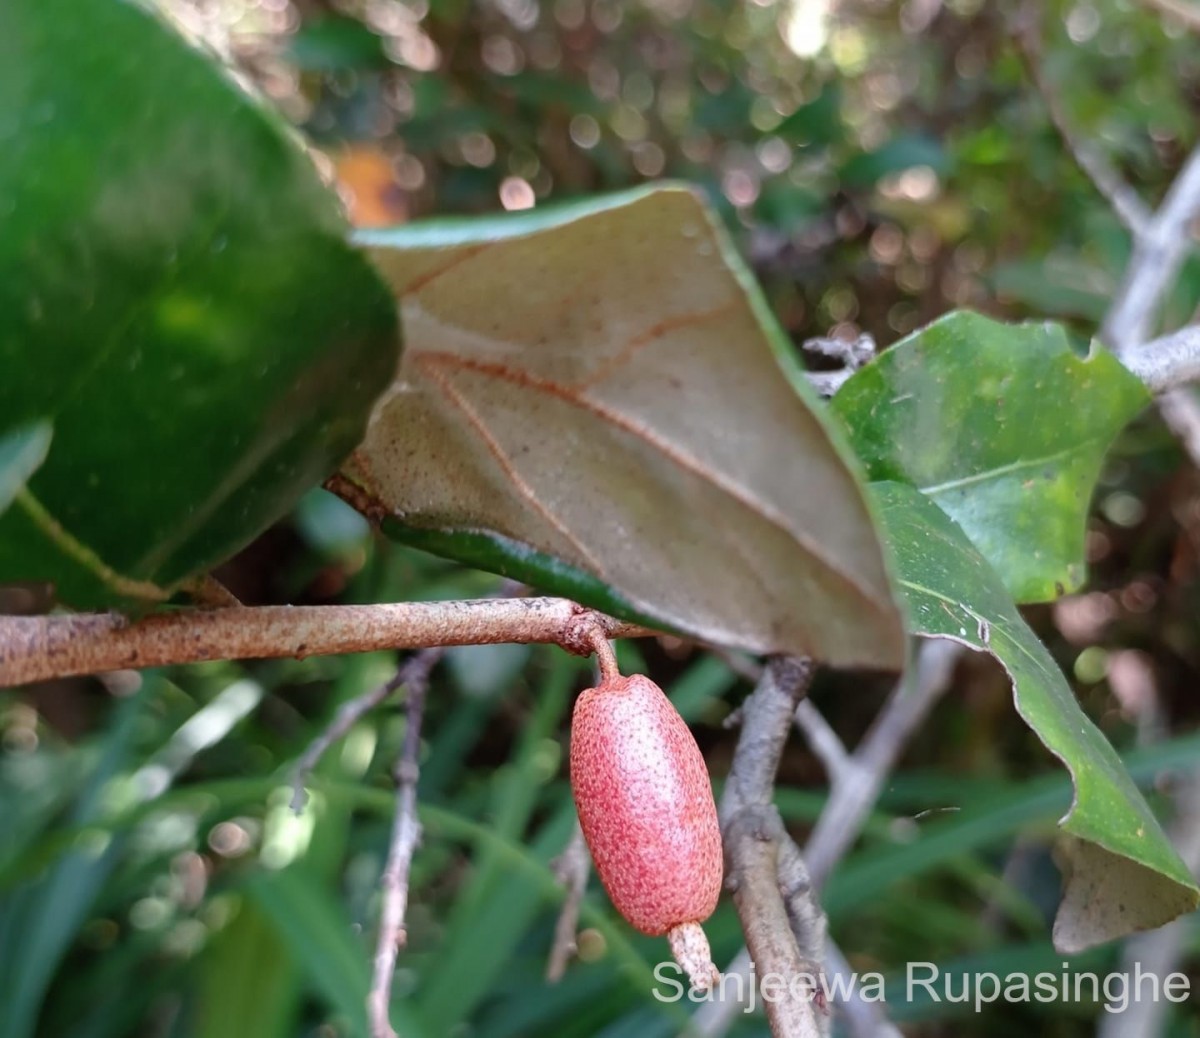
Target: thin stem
[1157,257]
[43,647]
[853,355]
[348,714]
[863,1019]
[406,834]
[754,836]
[1126,204]
[606,659]
[822,739]
[855,784]
[1167,362]
[572,868]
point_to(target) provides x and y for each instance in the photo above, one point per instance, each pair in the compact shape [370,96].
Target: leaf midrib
[1014,466]
[82,554]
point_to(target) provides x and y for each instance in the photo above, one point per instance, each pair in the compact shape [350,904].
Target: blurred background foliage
[879,163]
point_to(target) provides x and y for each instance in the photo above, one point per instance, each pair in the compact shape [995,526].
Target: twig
[1157,258]
[1167,362]
[1129,208]
[810,929]
[761,869]
[863,1019]
[753,837]
[42,647]
[855,787]
[1160,242]
[852,353]
[406,834]
[346,717]
[822,739]
[785,681]
[827,383]
[350,712]
[572,868]
[857,778]
[1158,254]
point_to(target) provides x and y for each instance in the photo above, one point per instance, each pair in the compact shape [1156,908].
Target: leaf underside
[1123,874]
[600,388]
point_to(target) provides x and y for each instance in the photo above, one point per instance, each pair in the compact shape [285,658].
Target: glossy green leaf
[1005,427]
[592,399]
[177,297]
[22,450]
[1122,872]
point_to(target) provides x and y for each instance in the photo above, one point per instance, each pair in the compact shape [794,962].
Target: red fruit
[646,807]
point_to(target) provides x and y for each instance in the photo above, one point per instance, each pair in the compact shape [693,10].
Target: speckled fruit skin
[645,804]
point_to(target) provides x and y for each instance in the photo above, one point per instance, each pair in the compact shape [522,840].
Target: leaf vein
[509,468]
[651,335]
[83,555]
[1014,466]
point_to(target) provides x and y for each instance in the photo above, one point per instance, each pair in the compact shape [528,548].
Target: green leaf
[979,822]
[593,397]
[250,986]
[1123,873]
[178,298]
[528,864]
[22,450]
[1005,427]
[43,917]
[491,901]
[311,924]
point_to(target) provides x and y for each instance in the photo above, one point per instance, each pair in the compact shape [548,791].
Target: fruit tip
[689,946]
